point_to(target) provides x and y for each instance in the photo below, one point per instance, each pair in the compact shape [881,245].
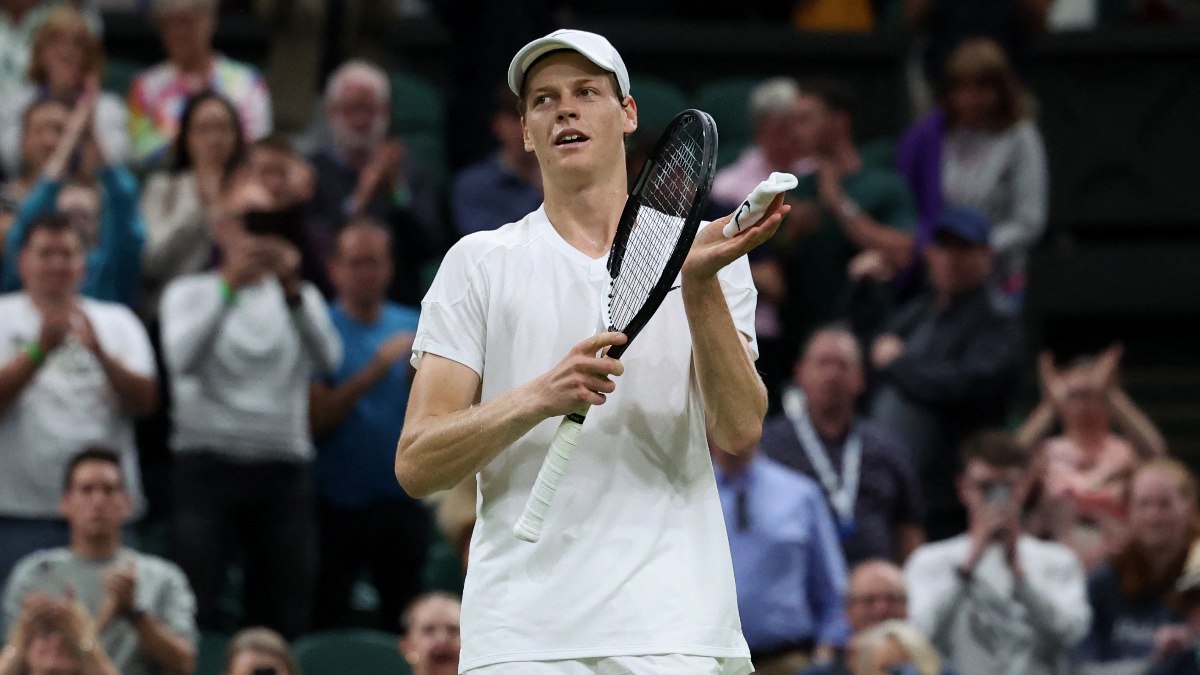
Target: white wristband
[752,210]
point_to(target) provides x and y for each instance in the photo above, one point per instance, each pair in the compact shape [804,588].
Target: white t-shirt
[68,405]
[633,559]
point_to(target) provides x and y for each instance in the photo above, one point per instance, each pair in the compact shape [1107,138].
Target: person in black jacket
[948,362]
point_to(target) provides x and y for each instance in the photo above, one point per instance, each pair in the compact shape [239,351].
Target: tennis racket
[653,237]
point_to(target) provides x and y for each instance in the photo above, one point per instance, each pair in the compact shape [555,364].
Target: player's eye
[541,99]
[587,92]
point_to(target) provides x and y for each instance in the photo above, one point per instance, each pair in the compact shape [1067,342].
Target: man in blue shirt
[787,562]
[366,519]
[502,188]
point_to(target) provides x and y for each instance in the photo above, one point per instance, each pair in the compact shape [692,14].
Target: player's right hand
[581,379]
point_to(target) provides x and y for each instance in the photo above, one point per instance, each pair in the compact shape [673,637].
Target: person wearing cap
[157,95]
[632,573]
[948,362]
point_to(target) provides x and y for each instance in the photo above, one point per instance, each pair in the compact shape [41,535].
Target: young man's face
[52,263]
[362,266]
[573,117]
[96,502]
[983,486]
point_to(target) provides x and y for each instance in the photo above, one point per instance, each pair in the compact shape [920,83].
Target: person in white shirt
[993,600]
[241,345]
[73,372]
[632,573]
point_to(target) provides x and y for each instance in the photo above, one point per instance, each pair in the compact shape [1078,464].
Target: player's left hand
[711,250]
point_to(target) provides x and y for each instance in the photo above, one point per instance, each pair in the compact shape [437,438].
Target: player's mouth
[570,137]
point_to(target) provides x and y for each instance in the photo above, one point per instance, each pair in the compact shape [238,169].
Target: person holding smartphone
[994,600]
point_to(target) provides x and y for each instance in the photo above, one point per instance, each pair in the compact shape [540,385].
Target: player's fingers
[600,341]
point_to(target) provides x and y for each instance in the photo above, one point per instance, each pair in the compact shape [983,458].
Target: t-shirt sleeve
[742,298]
[453,317]
[177,605]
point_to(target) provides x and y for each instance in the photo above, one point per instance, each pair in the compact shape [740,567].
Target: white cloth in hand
[752,210]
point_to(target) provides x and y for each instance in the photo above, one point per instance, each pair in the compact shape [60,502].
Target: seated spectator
[781,536]
[66,56]
[288,178]
[54,637]
[42,127]
[255,651]
[364,173]
[866,474]
[874,595]
[947,363]
[158,95]
[1086,470]
[142,605]
[367,521]
[19,22]
[73,372]
[106,216]
[993,599]
[980,148]
[180,203]
[241,344]
[774,108]
[844,207]
[429,630]
[895,646]
[1130,594]
[504,187]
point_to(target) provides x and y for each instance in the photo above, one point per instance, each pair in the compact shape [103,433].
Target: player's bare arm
[735,399]
[448,435]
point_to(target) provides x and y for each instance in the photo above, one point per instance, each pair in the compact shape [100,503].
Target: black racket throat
[659,222]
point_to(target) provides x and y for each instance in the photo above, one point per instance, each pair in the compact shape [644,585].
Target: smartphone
[999,494]
[285,223]
[265,670]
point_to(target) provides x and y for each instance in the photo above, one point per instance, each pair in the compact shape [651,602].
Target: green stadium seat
[358,651]
[210,653]
[726,100]
[417,106]
[443,568]
[658,102]
[119,74]
[428,151]
[879,152]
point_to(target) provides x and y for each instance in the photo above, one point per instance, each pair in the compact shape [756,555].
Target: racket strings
[666,200]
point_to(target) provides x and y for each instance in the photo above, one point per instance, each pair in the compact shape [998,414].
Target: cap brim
[535,50]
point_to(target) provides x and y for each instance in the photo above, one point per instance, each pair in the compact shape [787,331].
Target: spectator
[42,126]
[66,54]
[504,187]
[774,108]
[454,514]
[180,203]
[947,363]
[158,96]
[256,650]
[895,646]
[788,569]
[980,148]
[866,474]
[874,595]
[994,600]
[19,22]
[273,163]
[107,217]
[1130,594]
[142,604]
[54,637]
[1086,470]
[241,344]
[75,371]
[366,518]
[844,207]
[430,640]
[364,173]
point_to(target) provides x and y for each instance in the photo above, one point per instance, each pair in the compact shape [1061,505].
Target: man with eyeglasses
[874,594]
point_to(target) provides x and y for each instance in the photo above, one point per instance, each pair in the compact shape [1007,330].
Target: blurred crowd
[189,296]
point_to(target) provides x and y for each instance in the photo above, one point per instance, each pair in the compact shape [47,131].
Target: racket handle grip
[529,525]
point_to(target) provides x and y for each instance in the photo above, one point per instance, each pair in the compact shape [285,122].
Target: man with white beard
[364,173]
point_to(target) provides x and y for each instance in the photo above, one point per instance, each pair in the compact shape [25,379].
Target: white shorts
[668,664]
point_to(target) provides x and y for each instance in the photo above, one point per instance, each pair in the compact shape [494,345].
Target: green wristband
[228,293]
[34,351]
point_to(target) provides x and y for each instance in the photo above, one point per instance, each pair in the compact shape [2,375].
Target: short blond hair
[921,654]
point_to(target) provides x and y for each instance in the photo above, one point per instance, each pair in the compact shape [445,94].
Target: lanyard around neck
[843,490]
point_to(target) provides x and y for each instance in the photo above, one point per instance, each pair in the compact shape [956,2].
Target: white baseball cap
[593,47]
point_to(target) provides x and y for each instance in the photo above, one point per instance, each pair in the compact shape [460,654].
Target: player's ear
[629,106]
[525,135]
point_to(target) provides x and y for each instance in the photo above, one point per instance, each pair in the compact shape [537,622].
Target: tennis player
[632,573]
